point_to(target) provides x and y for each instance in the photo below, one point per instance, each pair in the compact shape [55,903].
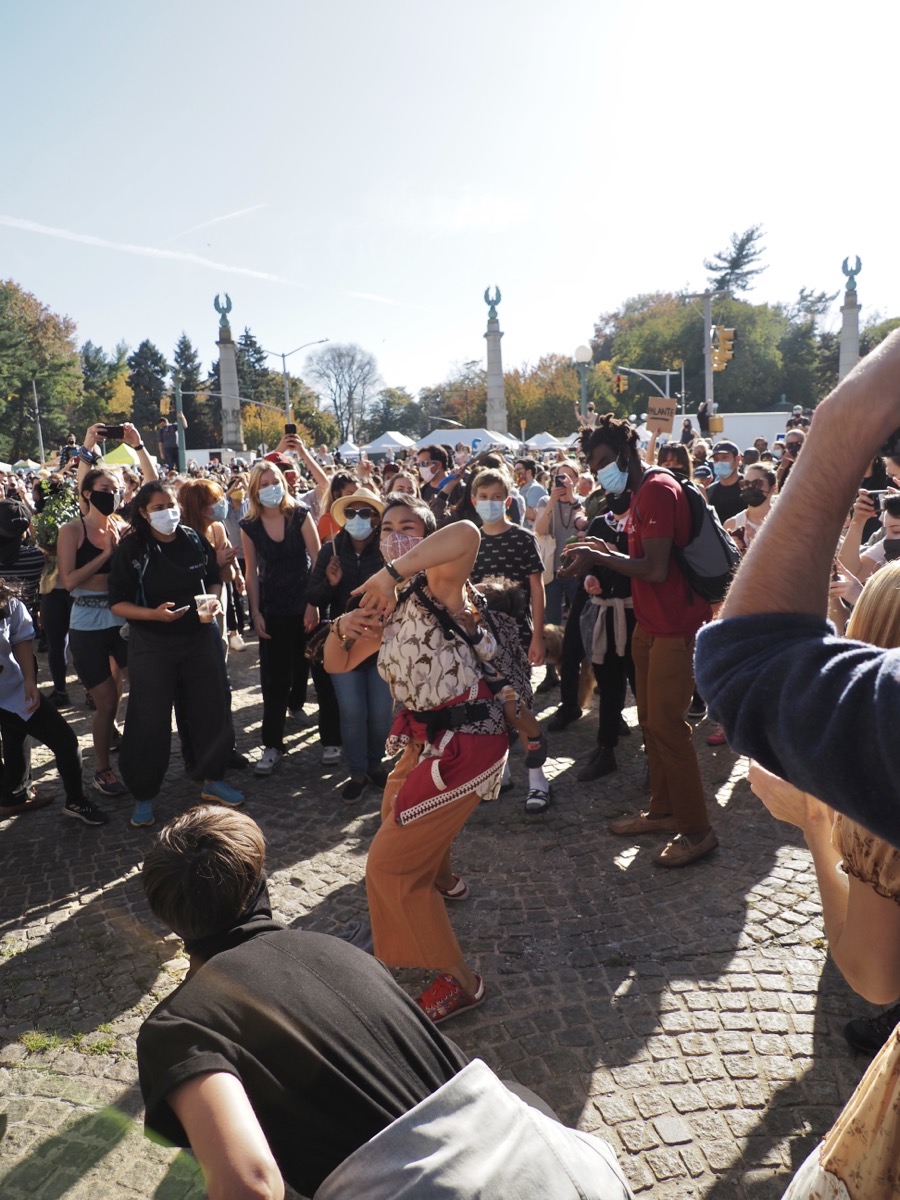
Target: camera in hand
[291,428]
[875,497]
[113,431]
[561,481]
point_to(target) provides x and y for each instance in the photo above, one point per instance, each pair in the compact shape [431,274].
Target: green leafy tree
[147,369]
[103,396]
[734,268]
[198,406]
[392,409]
[38,359]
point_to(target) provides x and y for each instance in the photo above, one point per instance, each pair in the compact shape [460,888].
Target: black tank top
[87,552]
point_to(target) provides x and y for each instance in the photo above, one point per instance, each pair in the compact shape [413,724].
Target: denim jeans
[557,591]
[365,704]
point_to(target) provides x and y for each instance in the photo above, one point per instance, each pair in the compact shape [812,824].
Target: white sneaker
[269,760]
[236,642]
[330,755]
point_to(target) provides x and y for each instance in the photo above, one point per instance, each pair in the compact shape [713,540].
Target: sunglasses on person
[367,514]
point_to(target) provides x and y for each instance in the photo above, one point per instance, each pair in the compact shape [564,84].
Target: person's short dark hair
[389,468]
[750,456]
[527,464]
[436,454]
[891,506]
[202,870]
[418,506]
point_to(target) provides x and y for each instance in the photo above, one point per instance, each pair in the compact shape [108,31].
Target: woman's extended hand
[379,596]
[259,624]
[786,802]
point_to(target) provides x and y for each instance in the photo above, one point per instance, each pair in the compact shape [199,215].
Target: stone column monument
[849,355]
[232,431]
[495,418]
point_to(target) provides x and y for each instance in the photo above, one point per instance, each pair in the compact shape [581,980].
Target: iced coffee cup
[206,607]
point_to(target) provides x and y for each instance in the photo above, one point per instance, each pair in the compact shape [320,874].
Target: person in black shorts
[84,549]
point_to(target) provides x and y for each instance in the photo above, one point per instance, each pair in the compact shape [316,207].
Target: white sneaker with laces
[236,642]
[269,759]
[331,755]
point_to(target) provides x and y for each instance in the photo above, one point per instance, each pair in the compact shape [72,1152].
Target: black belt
[436,720]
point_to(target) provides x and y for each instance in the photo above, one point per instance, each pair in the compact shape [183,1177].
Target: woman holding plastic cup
[165,582]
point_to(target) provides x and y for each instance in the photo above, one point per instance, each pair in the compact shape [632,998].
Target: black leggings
[55,609]
[161,668]
[50,729]
[612,675]
[284,671]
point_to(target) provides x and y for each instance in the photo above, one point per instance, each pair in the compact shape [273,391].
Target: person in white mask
[157,572]
[280,543]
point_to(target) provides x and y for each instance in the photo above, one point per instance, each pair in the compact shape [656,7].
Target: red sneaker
[446,998]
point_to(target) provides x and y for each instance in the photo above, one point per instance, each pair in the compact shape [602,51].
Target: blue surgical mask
[358,527]
[613,479]
[490,511]
[272,496]
[722,470]
[220,510]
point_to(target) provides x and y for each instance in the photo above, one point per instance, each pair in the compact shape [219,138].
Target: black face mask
[619,504]
[891,549]
[104,502]
[753,497]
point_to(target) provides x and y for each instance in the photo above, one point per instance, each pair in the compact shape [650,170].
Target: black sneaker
[354,790]
[868,1034]
[602,762]
[59,699]
[83,810]
[547,684]
[697,708]
[378,778]
[563,717]
[237,761]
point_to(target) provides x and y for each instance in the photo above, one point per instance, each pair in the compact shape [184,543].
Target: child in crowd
[510,552]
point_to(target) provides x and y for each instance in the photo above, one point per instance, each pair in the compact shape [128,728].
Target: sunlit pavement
[689,1016]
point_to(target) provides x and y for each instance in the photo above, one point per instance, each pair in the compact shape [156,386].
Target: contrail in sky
[88,239]
[241,212]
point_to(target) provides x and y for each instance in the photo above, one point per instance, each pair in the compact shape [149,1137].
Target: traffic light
[620,383]
[722,346]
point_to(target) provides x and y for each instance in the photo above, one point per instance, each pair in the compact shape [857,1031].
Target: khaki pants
[664,673]
[410,926]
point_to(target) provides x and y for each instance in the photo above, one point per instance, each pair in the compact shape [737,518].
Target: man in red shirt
[668,614]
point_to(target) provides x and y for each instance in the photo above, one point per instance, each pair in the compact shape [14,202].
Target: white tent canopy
[475,439]
[545,441]
[349,450]
[392,440]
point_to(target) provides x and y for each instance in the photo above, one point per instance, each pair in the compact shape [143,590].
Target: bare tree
[346,377]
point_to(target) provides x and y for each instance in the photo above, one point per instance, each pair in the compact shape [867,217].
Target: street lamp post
[284,358]
[583,355]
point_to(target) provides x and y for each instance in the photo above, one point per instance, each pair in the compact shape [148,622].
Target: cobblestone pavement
[690,1017]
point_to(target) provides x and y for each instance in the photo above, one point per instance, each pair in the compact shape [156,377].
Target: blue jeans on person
[365,704]
[557,590]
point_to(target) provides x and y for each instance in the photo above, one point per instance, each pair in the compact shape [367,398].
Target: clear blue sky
[362,171]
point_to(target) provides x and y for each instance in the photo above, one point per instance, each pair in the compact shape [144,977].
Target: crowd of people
[418,595]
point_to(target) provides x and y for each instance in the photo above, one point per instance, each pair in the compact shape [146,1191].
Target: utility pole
[179,425]
[37,417]
[707,298]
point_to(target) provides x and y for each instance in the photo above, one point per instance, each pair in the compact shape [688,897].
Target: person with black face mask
[84,549]
[757,490]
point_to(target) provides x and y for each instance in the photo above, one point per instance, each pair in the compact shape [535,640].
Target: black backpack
[710,558]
